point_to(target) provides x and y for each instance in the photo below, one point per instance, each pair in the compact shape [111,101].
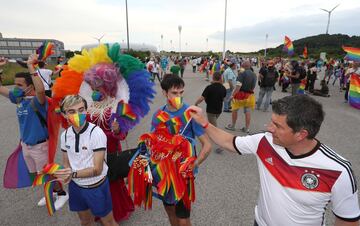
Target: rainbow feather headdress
[135,90]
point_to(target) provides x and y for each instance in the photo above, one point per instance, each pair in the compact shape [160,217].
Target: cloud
[294,27]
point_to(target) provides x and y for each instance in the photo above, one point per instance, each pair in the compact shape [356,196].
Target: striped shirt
[80,148]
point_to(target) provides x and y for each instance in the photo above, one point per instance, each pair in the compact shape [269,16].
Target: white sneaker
[60,201]
[42,201]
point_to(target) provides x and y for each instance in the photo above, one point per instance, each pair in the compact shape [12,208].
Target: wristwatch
[74,174]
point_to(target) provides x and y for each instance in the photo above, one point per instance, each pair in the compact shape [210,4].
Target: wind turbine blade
[102,36]
[334,8]
[325,10]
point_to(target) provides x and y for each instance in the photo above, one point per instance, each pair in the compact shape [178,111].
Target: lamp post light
[127,27]
[162,45]
[207,44]
[180,27]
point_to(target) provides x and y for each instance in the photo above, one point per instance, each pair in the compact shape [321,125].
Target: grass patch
[10,69]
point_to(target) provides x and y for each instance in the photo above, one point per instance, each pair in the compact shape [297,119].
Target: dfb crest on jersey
[309,180]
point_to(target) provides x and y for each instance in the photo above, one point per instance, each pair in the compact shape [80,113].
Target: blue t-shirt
[164,63]
[31,129]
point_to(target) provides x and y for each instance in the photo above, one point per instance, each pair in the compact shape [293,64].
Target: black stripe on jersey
[346,166]
[348,219]
[236,149]
[347,163]
[99,149]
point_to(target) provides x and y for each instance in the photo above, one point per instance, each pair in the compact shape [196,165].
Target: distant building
[123,47]
[23,47]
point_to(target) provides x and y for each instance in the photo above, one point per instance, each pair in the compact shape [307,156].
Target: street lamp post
[162,45]
[207,44]
[224,30]
[127,27]
[180,27]
[171,47]
[266,38]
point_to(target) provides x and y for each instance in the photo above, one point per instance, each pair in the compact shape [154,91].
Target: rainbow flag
[305,52]
[124,110]
[288,46]
[301,89]
[45,50]
[48,189]
[352,53]
[16,173]
[354,91]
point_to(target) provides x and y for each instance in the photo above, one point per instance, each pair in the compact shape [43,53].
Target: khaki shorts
[36,156]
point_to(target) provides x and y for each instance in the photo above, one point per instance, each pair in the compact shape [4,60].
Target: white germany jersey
[295,190]
[80,148]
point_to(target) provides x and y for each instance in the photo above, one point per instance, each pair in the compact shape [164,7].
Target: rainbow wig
[103,75]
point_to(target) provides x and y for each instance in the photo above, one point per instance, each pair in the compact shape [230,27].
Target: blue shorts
[97,199]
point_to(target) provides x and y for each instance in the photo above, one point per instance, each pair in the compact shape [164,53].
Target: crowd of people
[299,175]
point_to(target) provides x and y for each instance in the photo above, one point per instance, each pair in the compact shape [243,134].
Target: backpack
[269,79]
[150,67]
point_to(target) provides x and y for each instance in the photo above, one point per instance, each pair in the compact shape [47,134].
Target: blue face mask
[17,92]
[96,95]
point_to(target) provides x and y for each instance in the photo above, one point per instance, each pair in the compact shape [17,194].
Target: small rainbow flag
[47,171]
[301,89]
[186,116]
[162,116]
[176,102]
[124,110]
[77,119]
[48,189]
[41,179]
[354,91]
[288,46]
[305,52]
[174,125]
[352,53]
[45,50]
[51,168]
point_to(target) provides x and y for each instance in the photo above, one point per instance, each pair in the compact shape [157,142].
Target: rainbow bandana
[176,102]
[77,119]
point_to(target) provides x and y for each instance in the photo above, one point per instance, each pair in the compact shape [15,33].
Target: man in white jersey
[299,175]
[84,148]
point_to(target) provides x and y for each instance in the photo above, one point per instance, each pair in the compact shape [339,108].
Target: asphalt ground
[227,184]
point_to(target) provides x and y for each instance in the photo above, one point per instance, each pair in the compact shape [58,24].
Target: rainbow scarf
[288,46]
[124,110]
[301,89]
[77,119]
[352,53]
[45,50]
[354,91]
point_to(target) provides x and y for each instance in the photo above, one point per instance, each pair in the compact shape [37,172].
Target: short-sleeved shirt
[248,81]
[229,74]
[175,69]
[80,148]
[32,131]
[214,95]
[164,63]
[295,190]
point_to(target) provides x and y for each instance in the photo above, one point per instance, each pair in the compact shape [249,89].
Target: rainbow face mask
[77,119]
[17,92]
[176,102]
[96,95]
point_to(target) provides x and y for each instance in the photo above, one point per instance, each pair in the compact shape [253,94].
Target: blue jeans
[264,91]
[227,100]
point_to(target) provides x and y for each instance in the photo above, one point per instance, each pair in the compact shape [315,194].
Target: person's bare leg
[234,117]
[184,222]
[109,220]
[86,218]
[170,210]
[247,119]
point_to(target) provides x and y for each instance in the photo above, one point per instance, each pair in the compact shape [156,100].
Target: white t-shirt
[295,190]
[45,76]
[80,149]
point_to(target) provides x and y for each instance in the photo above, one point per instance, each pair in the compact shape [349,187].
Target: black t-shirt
[214,95]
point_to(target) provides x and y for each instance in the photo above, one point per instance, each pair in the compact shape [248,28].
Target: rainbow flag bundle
[124,110]
[288,46]
[352,53]
[45,50]
[354,91]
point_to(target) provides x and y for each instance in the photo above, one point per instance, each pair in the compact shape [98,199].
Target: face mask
[176,102]
[96,95]
[77,119]
[17,92]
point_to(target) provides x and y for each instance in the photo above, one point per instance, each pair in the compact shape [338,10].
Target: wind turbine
[99,39]
[329,14]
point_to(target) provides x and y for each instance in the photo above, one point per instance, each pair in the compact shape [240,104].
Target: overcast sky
[76,22]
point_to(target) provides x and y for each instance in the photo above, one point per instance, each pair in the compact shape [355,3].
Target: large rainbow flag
[352,53]
[354,91]
[288,46]
[305,52]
